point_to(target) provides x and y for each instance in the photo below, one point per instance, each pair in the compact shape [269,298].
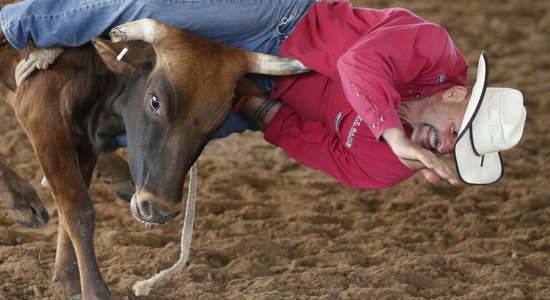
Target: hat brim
[473,168]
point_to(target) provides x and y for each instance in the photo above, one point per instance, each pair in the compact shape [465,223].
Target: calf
[169,95]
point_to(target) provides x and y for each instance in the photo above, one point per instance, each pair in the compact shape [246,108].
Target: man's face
[438,122]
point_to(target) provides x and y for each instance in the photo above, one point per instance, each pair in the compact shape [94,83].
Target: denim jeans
[253,25]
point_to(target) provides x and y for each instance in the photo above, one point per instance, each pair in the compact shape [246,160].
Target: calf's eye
[154,103]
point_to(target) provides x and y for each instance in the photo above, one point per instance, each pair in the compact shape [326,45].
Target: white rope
[143,287]
[39,58]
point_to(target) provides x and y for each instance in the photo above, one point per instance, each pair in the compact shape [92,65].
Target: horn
[147,30]
[151,31]
[260,63]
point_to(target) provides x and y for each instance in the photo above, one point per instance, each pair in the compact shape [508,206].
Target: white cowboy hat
[493,122]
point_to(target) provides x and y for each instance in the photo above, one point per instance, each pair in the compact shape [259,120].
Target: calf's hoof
[32,217]
[21,200]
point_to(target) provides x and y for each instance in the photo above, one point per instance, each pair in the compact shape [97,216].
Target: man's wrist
[260,110]
[393,135]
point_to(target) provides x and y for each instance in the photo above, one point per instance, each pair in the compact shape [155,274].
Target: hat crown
[493,121]
[498,124]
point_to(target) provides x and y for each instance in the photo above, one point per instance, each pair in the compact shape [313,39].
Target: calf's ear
[118,60]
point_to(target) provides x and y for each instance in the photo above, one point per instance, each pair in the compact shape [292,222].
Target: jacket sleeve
[383,60]
[313,144]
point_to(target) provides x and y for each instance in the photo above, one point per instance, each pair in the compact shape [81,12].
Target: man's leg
[254,25]
[247,24]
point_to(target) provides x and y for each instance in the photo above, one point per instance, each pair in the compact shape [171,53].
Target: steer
[170,94]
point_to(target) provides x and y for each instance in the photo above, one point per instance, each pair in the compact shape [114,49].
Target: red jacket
[365,62]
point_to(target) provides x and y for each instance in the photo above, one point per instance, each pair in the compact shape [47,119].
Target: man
[387,95]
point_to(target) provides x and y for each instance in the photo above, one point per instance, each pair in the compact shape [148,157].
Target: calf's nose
[144,209]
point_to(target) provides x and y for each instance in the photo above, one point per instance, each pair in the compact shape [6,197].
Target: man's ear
[455,94]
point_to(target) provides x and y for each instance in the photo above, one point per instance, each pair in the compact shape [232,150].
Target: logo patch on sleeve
[441,78]
[351,134]
[337,121]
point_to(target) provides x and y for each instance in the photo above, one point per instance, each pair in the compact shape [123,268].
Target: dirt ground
[269,228]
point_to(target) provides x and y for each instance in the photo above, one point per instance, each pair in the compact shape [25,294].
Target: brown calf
[169,95]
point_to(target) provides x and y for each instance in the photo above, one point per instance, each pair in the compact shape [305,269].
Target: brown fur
[55,107]
[72,111]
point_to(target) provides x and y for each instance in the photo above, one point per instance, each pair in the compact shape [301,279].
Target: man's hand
[417,158]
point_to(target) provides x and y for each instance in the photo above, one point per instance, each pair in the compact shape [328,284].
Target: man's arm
[371,165]
[309,148]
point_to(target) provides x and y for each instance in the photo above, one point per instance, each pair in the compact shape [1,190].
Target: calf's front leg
[66,270]
[55,149]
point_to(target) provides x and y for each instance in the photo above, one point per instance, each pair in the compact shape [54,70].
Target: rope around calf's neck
[143,287]
[39,58]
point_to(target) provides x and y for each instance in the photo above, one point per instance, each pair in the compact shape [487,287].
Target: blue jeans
[253,25]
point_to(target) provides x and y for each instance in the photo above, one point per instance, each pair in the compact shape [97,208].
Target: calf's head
[176,98]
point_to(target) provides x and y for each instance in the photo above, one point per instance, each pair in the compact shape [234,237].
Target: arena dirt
[269,228]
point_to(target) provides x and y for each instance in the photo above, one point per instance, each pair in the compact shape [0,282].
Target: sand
[268,228]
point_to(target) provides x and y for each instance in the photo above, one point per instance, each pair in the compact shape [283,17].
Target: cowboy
[387,95]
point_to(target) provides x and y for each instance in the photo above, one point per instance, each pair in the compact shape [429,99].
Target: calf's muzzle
[145,208]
